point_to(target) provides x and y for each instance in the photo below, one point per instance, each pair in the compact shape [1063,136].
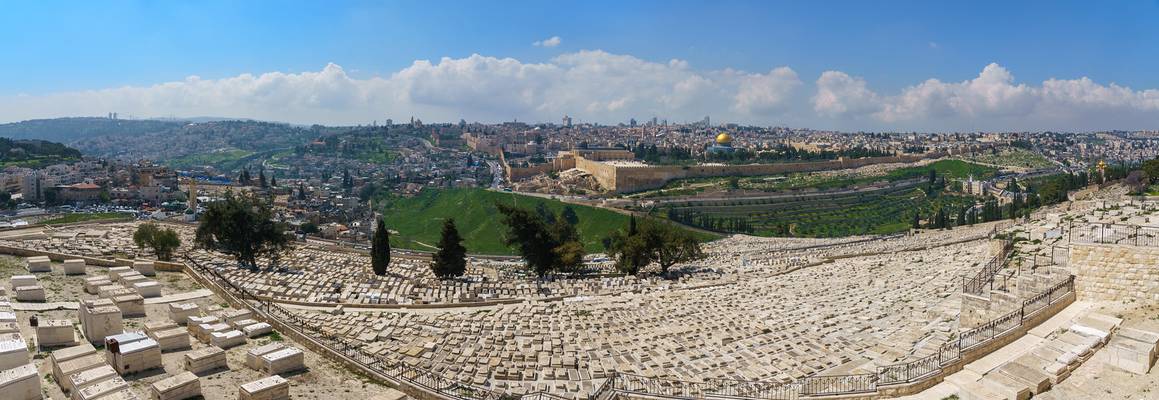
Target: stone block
[39,264]
[93,284]
[136,356]
[61,371]
[100,321]
[182,386]
[268,388]
[206,359]
[131,305]
[74,266]
[1128,355]
[116,272]
[20,383]
[172,339]
[148,289]
[30,293]
[13,351]
[227,339]
[258,329]
[55,332]
[145,268]
[89,377]
[283,361]
[180,313]
[101,389]
[22,280]
[253,356]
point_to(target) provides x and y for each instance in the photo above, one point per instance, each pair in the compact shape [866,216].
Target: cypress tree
[451,259]
[380,248]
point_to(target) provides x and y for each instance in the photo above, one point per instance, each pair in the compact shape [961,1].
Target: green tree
[546,247]
[242,225]
[569,215]
[451,259]
[380,248]
[162,241]
[672,245]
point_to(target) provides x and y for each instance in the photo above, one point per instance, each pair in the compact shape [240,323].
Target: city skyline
[938,67]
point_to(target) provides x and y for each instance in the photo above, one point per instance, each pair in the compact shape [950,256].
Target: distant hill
[34,152]
[183,141]
[68,130]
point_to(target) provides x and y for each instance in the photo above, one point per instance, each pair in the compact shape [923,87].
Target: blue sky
[63,48]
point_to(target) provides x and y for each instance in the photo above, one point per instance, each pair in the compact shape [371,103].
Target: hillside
[187,144]
[419,219]
[34,153]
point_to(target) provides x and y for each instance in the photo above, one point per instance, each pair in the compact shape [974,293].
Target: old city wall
[604,173]
[1115,272]
[636,178]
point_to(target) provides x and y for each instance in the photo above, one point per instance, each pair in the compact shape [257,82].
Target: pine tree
[451,259]
[274,181]
[917,221]
[380,248]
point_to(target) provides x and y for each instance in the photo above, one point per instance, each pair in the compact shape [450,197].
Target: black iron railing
[984,279]
[1101,233]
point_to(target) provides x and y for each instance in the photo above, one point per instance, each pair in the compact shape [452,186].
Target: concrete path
[974,371]
[72,305]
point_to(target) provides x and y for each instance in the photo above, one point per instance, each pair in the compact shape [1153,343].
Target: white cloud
[604,87]
[992,100]
[549,42]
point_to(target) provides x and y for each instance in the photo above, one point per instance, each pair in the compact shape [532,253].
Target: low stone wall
[1111,272]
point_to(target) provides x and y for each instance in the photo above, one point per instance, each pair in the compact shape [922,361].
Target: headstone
[205,360]
[268,388]
[20,383]
[55,332]
[178,387]
[74,266]
[39,264]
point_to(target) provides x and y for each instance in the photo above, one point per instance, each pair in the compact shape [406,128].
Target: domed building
[722,144]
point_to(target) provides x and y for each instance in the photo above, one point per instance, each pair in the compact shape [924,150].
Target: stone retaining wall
[1111,272]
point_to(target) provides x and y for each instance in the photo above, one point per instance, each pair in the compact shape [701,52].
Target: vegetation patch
[418,220]
[82,217]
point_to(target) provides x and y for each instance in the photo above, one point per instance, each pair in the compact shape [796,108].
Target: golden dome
[723,138]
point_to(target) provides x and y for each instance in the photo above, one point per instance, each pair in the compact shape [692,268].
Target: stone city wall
[1111,272]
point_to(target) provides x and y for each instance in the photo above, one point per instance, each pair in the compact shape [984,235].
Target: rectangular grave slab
[74,266]
[268,388]
[205,360]
[20,383]
[178,387]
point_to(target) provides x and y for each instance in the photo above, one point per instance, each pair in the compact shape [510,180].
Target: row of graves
[1051,361]
[105,359]
[315,276]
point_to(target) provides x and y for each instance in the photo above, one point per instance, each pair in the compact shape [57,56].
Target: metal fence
[619,383]
[984,279]
[1100,233]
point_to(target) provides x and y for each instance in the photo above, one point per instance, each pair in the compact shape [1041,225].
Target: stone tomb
[75,266]
[68,368]
[68,354]
[206,359]
[202,331]
[55,332]
[132,352]
[148,289]
[282,361]
[101,389]
[89,377]
[258,329]
[178,387]
[268,388]
[34,293]
[227,339]
[22,280]
[13,351]
[123,394]
[99,319]
[115,273]
[253,358]
[145,268]
[180,313]
[131,305]
[171,339]
[20,383]
[39,264]
[94,283]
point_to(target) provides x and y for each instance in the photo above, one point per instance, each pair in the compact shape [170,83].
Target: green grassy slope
[420,219]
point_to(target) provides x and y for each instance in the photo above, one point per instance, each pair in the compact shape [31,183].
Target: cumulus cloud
[588,85]
[598,86]
[992,100]
[549,42]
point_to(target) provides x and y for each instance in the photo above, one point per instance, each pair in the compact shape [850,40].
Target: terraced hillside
[883,211]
